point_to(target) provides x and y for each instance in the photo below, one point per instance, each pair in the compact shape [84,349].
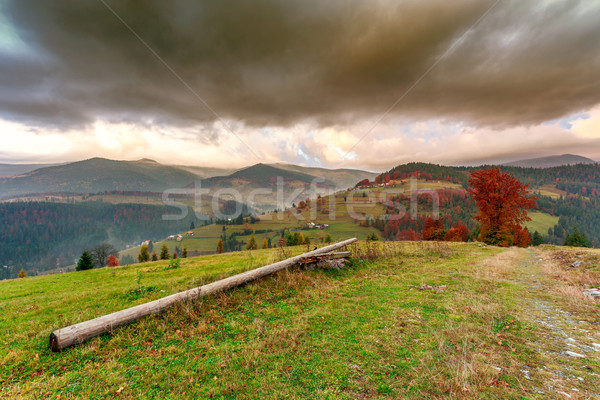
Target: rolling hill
[18,169]
[97,175]
[551,161]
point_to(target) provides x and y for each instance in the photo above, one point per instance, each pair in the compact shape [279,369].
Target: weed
[139,292]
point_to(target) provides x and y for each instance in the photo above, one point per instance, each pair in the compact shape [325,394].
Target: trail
[567,341]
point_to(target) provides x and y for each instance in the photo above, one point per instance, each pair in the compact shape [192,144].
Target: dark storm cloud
[270,62]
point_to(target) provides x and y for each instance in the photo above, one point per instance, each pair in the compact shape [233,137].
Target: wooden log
[84,331]
[323,257]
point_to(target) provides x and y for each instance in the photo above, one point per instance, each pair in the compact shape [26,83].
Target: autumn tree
[220,246]
[154,256]
[85,261]
[164,252]
[144,254]
[458,233]
[265,244]
[251,245]
[433,229]
[503,202]
[112,261]
[22,273]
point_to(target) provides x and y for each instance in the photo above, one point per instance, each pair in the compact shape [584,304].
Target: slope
[96,175]
[551,161]
[499,327]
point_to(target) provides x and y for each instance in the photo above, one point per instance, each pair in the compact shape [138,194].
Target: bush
[112,261]
[22,273]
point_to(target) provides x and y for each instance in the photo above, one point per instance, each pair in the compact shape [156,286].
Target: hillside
[259,183]
[550,161]
[570,193]
[501,324]
[343,177]
[97,175]
[18,169]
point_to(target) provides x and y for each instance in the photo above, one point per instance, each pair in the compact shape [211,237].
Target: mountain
[551,161]
[258,185]
[97,175]
[18,169]
[343,178]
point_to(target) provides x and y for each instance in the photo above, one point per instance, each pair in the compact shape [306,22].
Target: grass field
[541,222]
[495,330]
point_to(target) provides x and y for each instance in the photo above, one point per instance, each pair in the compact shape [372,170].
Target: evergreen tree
[576,239]
[220,246]
[144,254]
[265,244]
[184,253]
[328,238]
[154,256]
[85,261]
[537,239]
[192,226]
[22,274]
[164,252]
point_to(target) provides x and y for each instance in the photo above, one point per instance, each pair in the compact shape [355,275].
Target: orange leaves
[503,202]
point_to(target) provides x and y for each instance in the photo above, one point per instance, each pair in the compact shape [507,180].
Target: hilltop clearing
[489,323]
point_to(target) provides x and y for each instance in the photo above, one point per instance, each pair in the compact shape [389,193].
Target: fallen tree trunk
[79,333]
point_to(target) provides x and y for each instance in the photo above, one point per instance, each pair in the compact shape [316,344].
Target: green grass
[541,222]
[363,332]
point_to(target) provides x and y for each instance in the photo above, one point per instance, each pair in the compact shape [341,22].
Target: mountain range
[99,174]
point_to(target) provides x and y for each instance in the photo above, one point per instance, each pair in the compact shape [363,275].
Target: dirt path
[568,340]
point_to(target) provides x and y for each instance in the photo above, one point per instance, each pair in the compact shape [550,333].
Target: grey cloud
[268,62]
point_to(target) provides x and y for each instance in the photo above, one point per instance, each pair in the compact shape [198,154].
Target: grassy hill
[499,327]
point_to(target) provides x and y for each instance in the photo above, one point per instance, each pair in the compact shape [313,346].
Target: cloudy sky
[367,84]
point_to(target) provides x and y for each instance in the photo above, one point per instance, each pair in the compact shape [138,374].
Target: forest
[578,208]
[41,236]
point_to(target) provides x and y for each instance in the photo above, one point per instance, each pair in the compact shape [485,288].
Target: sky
[337,83]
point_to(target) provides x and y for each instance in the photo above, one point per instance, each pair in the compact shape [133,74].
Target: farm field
[498,325]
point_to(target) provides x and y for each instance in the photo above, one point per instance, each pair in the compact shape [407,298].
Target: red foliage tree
[112,261]
[433,229]
[522,237]
[503,202]
[459,233]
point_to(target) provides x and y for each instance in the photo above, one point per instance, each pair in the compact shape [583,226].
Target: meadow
[404,320]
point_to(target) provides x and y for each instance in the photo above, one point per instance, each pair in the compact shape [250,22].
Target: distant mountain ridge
[18,169]
[97,175]
[550,161]
[100,174]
